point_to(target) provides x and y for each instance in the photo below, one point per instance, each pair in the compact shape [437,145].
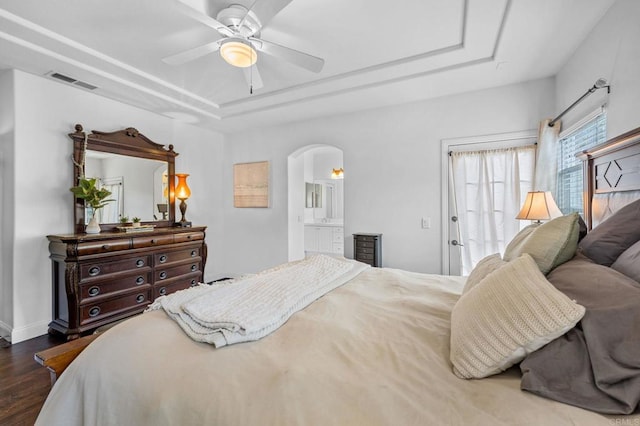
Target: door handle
[456,243]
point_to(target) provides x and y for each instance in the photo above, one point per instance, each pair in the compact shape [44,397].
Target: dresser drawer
[152,241]
[100,289]
[365,244]
[92,270]
[365,250]
[104,246]
[188,236]
[130,302]
[167,257]
[365,238]
[162,274]
[180,283]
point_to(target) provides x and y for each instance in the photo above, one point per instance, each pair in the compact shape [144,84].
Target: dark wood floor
[24,384]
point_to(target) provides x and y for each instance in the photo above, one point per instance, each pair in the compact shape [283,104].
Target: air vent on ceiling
[71,80]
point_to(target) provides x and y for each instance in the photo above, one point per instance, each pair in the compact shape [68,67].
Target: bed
[376,350]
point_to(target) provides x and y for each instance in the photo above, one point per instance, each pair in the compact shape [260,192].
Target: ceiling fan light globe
[238,53]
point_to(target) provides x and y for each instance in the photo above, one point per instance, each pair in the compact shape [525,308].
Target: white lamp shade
[539,205]
[238,53]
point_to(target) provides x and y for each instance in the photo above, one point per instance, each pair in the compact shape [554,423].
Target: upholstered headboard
[611,176]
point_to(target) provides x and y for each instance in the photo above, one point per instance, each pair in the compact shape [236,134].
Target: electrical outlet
[426,222]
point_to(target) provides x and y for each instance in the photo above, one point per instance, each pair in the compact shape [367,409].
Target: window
[569,191]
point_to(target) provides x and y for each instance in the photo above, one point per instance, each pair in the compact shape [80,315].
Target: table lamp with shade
[539,205]
[183,193]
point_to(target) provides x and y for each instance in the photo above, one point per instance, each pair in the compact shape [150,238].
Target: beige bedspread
[372,352]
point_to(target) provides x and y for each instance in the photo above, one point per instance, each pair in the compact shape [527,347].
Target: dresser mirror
[139,173]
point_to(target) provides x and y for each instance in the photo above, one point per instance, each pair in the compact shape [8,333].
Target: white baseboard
[29,331]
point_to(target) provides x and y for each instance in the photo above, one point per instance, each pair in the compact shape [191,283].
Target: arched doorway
[316,201]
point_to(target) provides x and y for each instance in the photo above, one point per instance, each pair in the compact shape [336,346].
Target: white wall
[7,134]
[45,112]
[612,51]
[392,166]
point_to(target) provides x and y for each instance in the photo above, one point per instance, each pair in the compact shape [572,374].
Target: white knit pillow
[512,312]
[482,269]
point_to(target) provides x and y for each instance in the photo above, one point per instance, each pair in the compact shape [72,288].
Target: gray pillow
[550,244]
[596,364]
[608,240]
[628,262]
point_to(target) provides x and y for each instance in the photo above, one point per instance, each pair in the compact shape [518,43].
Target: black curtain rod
[601,83]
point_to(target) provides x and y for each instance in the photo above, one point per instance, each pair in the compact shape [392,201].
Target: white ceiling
[376,52]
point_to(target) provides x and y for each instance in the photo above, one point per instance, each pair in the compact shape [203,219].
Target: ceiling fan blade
[191,54]
[200,10]
[252,76]
[265,10]
[295,57]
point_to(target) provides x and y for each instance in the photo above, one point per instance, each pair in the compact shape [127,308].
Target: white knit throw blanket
[253,307]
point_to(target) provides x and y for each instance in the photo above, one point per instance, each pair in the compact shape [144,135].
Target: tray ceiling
[376,53]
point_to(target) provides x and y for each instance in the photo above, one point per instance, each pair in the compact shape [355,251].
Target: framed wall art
[251,184]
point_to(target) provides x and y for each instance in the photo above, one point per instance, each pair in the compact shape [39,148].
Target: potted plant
[94,197]
[136,222]
[124,220]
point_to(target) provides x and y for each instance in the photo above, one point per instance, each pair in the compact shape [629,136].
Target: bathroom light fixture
[183,193]
[337,173]
[539,205]
[238,52]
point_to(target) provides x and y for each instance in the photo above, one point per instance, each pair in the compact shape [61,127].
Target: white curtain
[546,172]
[490,187]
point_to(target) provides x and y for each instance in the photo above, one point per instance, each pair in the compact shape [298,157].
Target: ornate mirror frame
[127,142]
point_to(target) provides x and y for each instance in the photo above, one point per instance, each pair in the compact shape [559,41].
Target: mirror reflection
[325,197]
[139,186]
[313,195]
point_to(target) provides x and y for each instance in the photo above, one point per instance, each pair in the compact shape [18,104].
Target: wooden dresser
[367,248]
[102,278]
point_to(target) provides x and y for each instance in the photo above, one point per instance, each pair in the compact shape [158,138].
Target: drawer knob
[194,267]
[194,253]
[163,291]
[194,283]
[163,258]
[94,312]
[105,247]
[153,241]
[94,270]
[140,298]
[139,280]
[94,291]
[139,263]
[163,275]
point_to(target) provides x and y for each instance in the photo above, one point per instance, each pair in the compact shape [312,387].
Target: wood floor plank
[24,384]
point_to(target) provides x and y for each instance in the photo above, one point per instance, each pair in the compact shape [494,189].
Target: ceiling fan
[240,43]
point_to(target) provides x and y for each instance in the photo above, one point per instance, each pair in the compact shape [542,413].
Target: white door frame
[471,143]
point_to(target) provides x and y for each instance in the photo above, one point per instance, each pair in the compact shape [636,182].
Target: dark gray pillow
[596,364]
[608,240]
[628,262]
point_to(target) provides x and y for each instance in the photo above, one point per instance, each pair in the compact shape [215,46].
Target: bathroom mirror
[313,198]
